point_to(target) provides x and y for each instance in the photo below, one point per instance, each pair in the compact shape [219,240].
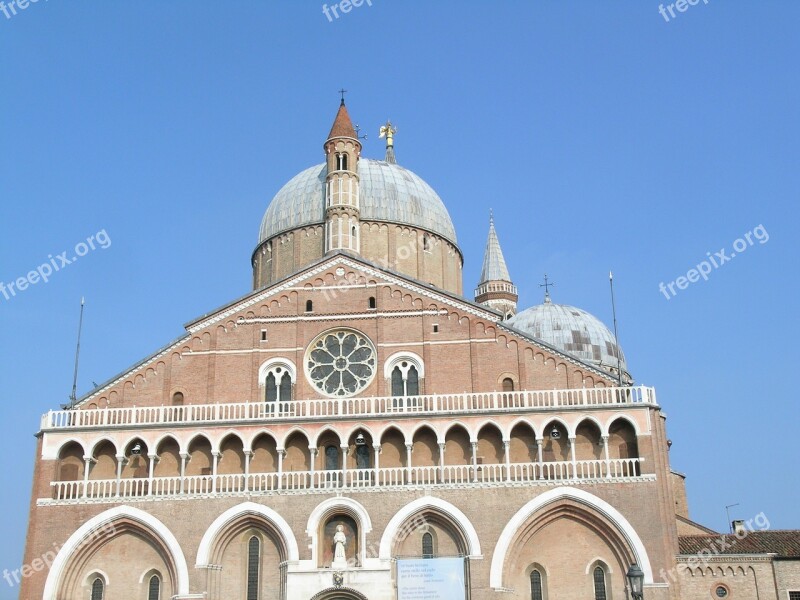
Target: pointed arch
[82,538]
[241,511]
[430,503]
[621,524]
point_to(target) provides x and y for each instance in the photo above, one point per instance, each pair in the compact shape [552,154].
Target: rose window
[341,363]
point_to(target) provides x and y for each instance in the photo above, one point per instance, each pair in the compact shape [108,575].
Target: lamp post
[635,577]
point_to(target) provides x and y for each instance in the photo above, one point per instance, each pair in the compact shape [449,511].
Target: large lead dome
[574,331]
[389,193]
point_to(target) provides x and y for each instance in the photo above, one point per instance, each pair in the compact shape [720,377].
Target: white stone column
[539,456]
[281,454]
[185,456]
[215,464]
[474,461]
[442,447]
[87,462]
[312,458]
[120,464]
[606,455]
[152,458]
[409,448]
[507,453]
[377,463]
[345,450]
[248,455]
[573,457]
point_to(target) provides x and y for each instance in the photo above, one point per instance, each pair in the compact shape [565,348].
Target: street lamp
[635,578]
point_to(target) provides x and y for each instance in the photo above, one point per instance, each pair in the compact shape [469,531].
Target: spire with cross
[547,285]
[342,92]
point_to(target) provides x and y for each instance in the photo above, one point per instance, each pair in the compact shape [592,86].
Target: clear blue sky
[602,136]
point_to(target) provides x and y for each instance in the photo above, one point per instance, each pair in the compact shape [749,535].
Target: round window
[341,363]
[722,591]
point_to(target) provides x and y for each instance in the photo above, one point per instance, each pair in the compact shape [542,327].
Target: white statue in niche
[339,542]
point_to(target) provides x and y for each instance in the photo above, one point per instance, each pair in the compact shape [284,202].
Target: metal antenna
[73,395]
[616,336]
[728,514]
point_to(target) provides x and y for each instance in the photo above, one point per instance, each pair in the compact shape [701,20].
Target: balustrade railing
[342,408]
[392,477]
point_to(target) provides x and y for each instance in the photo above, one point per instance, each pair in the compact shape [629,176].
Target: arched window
[98,588]
[309,306]
[253,564]
[331,458]
[536,585]
[154,589]
[599,583]
[362,457]
[341,162]
[278,377]
[398,385]
[412,382]
[508,384]
[372,304]
[427,545]
[177,399]
[426,243]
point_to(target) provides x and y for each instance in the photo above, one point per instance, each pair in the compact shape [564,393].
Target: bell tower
[342,211]
[496,289]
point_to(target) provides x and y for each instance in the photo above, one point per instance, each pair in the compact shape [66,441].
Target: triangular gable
[366,268]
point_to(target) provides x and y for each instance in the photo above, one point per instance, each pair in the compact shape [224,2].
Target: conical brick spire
[342,125]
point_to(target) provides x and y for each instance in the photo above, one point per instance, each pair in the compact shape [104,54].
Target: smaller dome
[572,330]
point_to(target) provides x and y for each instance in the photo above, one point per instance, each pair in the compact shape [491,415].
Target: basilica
[360,427]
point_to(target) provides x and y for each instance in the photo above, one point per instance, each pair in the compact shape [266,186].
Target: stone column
[345,449]
[573,458]
[248,455]
[215,456]
[474,461]
[152,467]
[539,455]
[312,457]
[409,448]
[606,455]
[120,464]
[442,447]
[377,462]
[507,453]
[281,454]
[185,456]
[87,462]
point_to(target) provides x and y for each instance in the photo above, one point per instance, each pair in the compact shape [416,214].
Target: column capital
[186,455]
[377,447]
[409,446]
[216,453]
[152,456]
[248,453]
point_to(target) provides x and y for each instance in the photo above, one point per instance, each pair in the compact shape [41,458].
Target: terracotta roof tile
[784,543]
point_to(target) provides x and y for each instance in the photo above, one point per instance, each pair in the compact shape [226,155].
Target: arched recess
[104,527]
[513,529]
[342,593]
[344,506]
[251,513]
[415,512]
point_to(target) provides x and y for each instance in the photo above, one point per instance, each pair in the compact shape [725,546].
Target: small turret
[342,210]
[495,289]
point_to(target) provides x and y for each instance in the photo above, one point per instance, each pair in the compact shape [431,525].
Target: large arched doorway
[342,593]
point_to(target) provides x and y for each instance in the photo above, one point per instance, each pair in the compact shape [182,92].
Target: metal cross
[546,285]
[343,92]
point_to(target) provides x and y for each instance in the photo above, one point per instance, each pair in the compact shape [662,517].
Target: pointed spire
[342,125]
[494,265]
